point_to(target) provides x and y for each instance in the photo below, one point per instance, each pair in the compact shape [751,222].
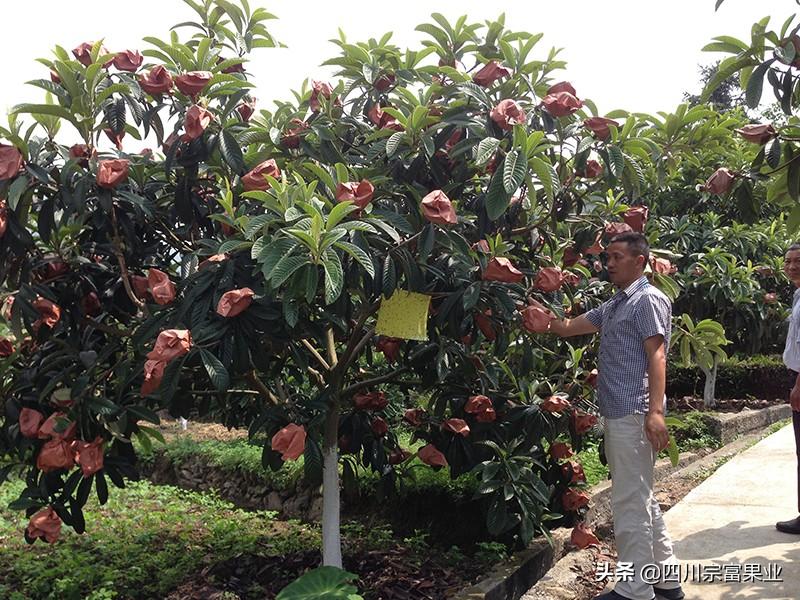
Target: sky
[638,55]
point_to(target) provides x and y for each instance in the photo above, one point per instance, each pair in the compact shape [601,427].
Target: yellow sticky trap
[404,315]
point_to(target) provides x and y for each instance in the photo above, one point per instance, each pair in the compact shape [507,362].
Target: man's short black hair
[793,247]
[637,243]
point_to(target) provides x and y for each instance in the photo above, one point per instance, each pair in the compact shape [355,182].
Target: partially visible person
[791,358]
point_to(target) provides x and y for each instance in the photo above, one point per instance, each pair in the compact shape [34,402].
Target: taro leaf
[329,583]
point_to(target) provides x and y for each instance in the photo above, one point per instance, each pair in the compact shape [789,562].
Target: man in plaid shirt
[634,327]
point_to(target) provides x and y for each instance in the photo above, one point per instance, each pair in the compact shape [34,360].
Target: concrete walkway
[724,529]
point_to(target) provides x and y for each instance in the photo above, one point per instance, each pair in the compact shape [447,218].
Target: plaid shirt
[791,353]
[625,321]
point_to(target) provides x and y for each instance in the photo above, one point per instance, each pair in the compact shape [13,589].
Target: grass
[141,544]
[694,433]
[777,426]
[232,455]
[244,457]
[596,472]
[148,539]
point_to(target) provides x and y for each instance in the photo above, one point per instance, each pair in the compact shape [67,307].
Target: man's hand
[794,398]
[656,430]
[539,305]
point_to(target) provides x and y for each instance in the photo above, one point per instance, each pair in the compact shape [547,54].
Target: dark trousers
[796,423]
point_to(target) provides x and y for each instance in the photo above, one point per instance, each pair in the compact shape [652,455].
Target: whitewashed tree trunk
[331,536]
[709,400]
[184,424]
[331,533]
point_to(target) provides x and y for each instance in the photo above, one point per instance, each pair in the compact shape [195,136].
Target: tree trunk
[331,533]
[709,401]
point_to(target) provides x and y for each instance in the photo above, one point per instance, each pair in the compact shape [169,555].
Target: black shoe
[612,595]
[792,526]
[668,594]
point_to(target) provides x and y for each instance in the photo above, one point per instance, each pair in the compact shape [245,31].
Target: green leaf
[773,153]
[328,583]
[514,169]
[394,142]
[310,281]
[286,268]
[793,178]
[497,198]
[101,487]
[273,252]
[339,212]
[153,433]
[51,87]
[617,160]
[486,150]
[231,152]
[547,176]
[672,450]
[359,255]
[471,295]
[497,516]
[755,84]
[46,109]
[727,67]
[793,222]
[334,276]
[584,144]
[322,175]
[115,88]
[254,226]
[216,370]
[342,175]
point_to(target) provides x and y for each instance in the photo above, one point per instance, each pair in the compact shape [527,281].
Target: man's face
[623,265]
[791,266]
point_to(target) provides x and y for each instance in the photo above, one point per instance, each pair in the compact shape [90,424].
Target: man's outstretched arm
[568,327]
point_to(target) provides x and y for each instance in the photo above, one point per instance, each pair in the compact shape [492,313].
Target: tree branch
[265,392]
[346,358]
[121,333]
[352,389]
[315,354]
[363,342]
[116,244]
[331,347]
[318,376]
[281,391]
